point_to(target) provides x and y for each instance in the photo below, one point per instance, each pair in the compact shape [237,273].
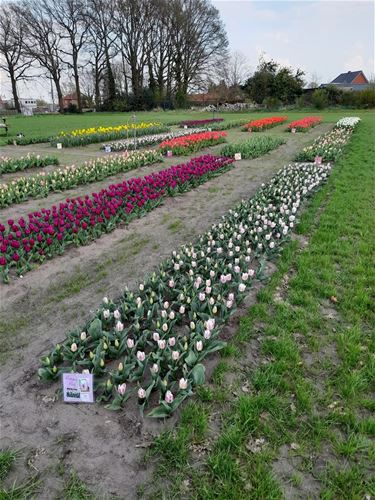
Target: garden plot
[63,291]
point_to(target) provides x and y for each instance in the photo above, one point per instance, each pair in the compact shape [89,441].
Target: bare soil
[37,310]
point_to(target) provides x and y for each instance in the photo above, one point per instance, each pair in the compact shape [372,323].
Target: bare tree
[134,20]
[15,62]
[42,41]
[101,46]
[234,70]
[315,80]
[160,54]
[198,35]
[72,27]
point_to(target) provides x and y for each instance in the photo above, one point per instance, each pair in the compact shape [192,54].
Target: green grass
[76,489]
[7,459]
[35,126]
[310,391]
[21,491]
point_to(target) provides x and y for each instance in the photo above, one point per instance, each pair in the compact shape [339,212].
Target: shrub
[320,98]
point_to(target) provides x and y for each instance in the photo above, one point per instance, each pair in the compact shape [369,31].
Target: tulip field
[206,277]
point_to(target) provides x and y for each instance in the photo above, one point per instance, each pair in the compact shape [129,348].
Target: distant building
[352,80]
[71,100]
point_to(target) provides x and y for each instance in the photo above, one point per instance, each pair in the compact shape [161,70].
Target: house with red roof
[351,80]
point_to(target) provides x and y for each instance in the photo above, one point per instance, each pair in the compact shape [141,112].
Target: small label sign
[78,388]
[107,149]
[185,127]
[237,156]
[293,131]
[169,154]
[59,145]
[318,160]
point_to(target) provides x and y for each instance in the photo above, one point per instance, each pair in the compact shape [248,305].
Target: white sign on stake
[78,388]
[185,126]
[318,160]
[107,149]
[59,145]
[237,156]
[293,131]
[169,154]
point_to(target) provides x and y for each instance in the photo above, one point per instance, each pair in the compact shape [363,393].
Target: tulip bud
[130,343]
[54,369]
[91,355]
[168,397]
[141,356]
[199,345]
[141,393]
[183,383]
[155,368]
[161,344]
[83,336]
[117,343]
[120,367]
[109,384]
[73,347]
[105,346]
[102,363]
[121,389]
[175,355]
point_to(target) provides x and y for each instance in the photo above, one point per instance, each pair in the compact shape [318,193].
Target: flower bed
[200,123]
[149,140]
[152,341]
[39,185]
[329,146]
[227,125]
[265,123]
[305,124]
[253,147]
[8,165]
[24,141]
[192,143]
[84,136]
[48,232]
[348,122]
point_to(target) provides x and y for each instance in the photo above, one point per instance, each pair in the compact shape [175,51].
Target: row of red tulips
[305,124]
[45,233]
[191,143]
[265,123]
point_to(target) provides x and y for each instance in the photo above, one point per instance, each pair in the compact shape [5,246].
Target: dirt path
[36,312]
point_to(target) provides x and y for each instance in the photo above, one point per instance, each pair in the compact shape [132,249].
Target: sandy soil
[36,311]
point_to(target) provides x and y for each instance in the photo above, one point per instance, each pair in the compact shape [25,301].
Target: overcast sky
[323,37]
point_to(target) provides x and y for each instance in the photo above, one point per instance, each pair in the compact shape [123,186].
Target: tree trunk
[76,80]
[17,104]
[56,81]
